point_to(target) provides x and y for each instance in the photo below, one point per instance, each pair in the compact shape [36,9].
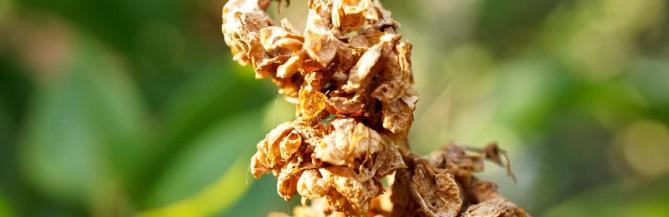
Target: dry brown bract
[349,75]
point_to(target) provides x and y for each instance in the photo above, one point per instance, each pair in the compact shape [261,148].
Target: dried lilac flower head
[349,75]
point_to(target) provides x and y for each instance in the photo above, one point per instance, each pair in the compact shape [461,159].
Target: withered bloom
[349,75]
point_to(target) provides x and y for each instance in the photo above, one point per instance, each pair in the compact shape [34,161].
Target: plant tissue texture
[349,75]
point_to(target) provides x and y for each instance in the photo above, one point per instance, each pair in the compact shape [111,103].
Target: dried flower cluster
[349,74]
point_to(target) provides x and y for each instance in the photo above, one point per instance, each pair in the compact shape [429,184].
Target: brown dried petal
[318,208]
[344,105]
[268,66]
[241,20]
[380,17]
[258,165]
[341,185]
[404,203]
[274,37]
[347,14]
[493,153]
[381,205]
[410,97]
[404,54]
[290,144]
[495,208]
[363,68]
[317,80]
[271,152]
[465,163]
[287,180]
[387,92]
[397,117]
[348,141]
[319,42]
[358,41]
[312,185]
[269,155]
[311,103]
[436,191]
[285,24]
[390,159]
[290,67]
[279,132]
[289,87]
[356,192]
[355,6]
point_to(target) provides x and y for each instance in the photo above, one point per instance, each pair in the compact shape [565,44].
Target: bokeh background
[134,107]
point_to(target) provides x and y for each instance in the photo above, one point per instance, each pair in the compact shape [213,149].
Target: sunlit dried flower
[349,75]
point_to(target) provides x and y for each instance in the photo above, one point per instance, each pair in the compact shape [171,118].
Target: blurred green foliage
[134,107]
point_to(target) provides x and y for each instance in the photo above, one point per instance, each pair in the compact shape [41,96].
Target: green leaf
[260,199]
[216,93]
[4,208]
[85,130]
[206,159]
[218,196]
[618,200]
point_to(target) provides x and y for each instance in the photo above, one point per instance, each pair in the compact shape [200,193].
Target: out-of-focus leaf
[218,196]
[260,199]
[618,200]
[4,208]
[120,20]
[214,95]
[200,165]
[85,128]
[529,91]
[15,92]
[206,159]
[507,25]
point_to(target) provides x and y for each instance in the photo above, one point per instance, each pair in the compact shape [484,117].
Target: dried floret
[286,184]
[353,192]
[395,117]
[348,14]
[349,75]
[310,103]
[272,149]
[491,203]
[388,160]
[291,66]
[441,184]
[348,141]
[431,190]
[312,185]
[320,43]
[290,144]
[274,38]
[346,106]
[495,208]
[342,188]
[436,191]
[363,68]
[369,59]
